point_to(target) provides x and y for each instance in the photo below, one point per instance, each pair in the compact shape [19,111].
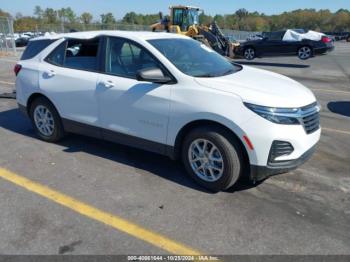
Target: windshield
[194,58]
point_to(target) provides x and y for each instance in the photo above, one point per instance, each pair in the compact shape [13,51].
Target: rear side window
[35,47]
[276,35]
[57,56]
[76,54]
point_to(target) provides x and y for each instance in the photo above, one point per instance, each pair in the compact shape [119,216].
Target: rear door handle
[108,83]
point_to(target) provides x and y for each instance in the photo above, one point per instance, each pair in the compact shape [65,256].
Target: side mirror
[154,75]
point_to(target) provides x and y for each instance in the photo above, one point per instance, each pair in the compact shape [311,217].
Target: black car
[272,44]
[340,35]
[22,41]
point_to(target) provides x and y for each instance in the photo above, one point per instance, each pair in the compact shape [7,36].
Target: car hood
[262,87]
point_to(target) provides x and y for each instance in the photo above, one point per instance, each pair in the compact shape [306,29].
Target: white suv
[171,95]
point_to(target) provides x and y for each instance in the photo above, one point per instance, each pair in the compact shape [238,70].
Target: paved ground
[306,211]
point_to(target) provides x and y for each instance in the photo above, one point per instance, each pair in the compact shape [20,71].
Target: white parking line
[331,91]
[336,130]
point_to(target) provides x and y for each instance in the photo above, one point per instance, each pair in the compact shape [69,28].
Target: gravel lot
[306,211]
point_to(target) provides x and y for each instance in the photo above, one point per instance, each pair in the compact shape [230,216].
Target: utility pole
[10,25]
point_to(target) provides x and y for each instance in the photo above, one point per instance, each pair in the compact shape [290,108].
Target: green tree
[205,19]
[66,15]
[241,13]
[25,23]
[38,12]
[50,16]
[108,19]
[86,18]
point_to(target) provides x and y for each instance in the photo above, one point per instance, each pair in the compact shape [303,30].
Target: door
[69,78]
[130,109]
[272,44]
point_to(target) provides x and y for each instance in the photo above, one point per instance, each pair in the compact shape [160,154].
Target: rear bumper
[258,173]
[323,50]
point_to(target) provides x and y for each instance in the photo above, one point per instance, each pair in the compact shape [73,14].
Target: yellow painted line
[336,130]
[7,83]
[331,91]
[106,218]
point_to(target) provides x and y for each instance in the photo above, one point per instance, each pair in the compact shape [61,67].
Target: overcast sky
[119,8]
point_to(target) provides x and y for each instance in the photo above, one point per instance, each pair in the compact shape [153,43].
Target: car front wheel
[249,53]
[213,158]
[304,52]
[46,120]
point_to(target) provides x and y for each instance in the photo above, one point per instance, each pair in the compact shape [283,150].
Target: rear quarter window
[35,47]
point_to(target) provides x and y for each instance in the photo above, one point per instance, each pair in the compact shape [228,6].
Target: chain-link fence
[68,27]
[239,35]
[7,38]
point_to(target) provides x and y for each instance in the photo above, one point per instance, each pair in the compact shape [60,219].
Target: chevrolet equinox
[171,95]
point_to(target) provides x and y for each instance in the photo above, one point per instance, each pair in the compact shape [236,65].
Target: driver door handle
[107,83]
[50,73]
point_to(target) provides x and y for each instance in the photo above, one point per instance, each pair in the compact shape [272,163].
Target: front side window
[76,54]
[124,58]
[193,58]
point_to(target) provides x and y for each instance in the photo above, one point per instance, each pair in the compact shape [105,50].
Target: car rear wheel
[304,52]
[46,120]
[249,53]
[212,158]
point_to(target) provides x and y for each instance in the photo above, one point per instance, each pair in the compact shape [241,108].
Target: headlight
[283,116]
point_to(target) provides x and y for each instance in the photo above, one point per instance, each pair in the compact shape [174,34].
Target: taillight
[326,39]
[17,68]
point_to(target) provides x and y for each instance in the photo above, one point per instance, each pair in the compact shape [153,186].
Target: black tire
[305,52]
[249,53]
[230,151]
[58,131]
[348,39]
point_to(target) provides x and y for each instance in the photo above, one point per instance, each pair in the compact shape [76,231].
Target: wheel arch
[33,97]
[306,45]
[203,122]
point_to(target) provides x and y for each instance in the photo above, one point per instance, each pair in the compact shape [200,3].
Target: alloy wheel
[206,160]
[249,53]
[304,52]
[43,120]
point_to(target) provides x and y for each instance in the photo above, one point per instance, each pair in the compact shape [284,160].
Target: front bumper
[258,173]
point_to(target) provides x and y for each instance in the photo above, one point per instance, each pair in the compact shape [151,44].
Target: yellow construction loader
[185,20]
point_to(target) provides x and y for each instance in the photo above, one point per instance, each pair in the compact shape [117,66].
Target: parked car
[22,41]
[276,44]
[254,37]
[338,36]
[171,95]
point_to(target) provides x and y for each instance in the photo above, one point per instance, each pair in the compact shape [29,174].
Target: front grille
[311,123]
[280,148]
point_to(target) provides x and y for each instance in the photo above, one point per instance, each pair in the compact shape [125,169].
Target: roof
[186,7]
[142,35]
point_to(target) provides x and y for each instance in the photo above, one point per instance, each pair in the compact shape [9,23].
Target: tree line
[319,20]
